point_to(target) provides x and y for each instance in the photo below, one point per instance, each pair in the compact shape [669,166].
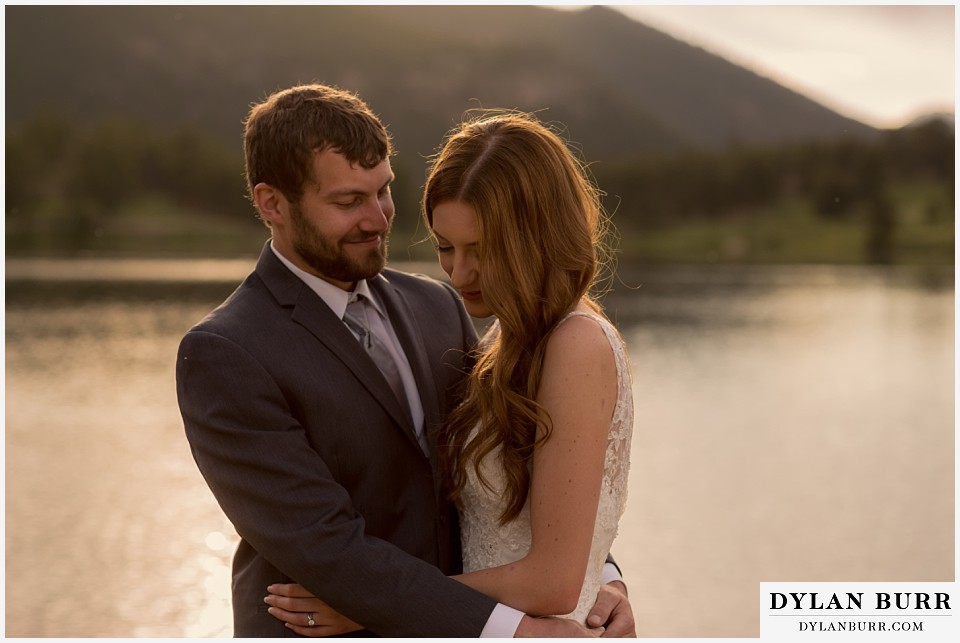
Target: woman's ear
[271,203]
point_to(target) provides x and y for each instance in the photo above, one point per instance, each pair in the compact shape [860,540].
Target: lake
[792,424]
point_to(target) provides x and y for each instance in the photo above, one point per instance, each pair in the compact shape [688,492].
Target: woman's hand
[304,613]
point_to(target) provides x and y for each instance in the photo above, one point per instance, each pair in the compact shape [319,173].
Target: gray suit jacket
[310,456]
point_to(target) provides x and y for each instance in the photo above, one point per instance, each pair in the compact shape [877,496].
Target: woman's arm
[579,391]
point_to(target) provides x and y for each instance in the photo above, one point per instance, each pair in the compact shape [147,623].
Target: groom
[319,459]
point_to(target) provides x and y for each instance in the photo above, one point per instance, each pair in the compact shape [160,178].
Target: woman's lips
[470,296]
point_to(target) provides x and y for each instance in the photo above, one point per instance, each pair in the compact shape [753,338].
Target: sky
[883,65]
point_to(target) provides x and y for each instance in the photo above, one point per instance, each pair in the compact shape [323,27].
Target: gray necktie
[355,318]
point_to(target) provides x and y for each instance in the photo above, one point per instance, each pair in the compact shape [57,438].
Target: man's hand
[612,611]
[552,627]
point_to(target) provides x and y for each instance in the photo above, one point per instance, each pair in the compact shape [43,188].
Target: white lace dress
[488,544]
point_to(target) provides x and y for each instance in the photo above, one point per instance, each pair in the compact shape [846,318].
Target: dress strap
[604,323]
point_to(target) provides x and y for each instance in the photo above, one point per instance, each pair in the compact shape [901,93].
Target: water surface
[792,424]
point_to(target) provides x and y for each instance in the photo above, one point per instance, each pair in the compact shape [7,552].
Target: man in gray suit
[317,452]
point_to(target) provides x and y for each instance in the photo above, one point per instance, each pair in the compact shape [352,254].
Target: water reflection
[105,508]
[795,426]
[792,424]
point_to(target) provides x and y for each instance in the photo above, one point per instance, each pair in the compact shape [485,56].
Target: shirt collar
[334,297]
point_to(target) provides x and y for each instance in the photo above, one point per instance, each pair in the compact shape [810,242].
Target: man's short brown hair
[282,134]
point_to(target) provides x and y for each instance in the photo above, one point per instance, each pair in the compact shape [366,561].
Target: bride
[537,454]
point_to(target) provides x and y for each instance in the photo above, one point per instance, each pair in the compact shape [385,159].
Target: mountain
[621,88]
[945,118]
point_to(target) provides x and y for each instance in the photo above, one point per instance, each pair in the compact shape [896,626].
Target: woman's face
[457,237]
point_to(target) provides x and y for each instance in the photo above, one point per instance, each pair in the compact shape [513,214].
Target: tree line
[836,177]
[68,179]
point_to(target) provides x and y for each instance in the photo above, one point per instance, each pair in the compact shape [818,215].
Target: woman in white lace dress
[537,455]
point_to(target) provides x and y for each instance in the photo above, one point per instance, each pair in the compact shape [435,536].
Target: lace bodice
[488,544]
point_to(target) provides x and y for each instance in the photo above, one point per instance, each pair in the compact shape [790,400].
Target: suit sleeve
[283,500]
[611,561]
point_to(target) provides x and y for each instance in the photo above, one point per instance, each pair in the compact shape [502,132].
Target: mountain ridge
[621,88]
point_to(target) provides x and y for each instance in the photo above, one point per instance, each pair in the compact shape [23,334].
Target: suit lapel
[410,336]
[312,313]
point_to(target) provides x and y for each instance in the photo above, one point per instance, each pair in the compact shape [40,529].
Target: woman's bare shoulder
[578,344]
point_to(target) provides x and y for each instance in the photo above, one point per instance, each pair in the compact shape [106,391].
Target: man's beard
[329,259]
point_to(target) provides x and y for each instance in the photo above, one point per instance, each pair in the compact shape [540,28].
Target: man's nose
[376,217]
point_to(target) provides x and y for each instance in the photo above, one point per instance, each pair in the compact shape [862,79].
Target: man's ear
[271,203]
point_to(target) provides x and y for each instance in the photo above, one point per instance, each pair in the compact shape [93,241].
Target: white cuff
[610,573]
[503,623]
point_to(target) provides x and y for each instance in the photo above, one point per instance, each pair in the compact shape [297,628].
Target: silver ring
[310,621]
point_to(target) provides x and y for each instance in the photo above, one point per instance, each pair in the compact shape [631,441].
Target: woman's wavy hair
[541,231]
